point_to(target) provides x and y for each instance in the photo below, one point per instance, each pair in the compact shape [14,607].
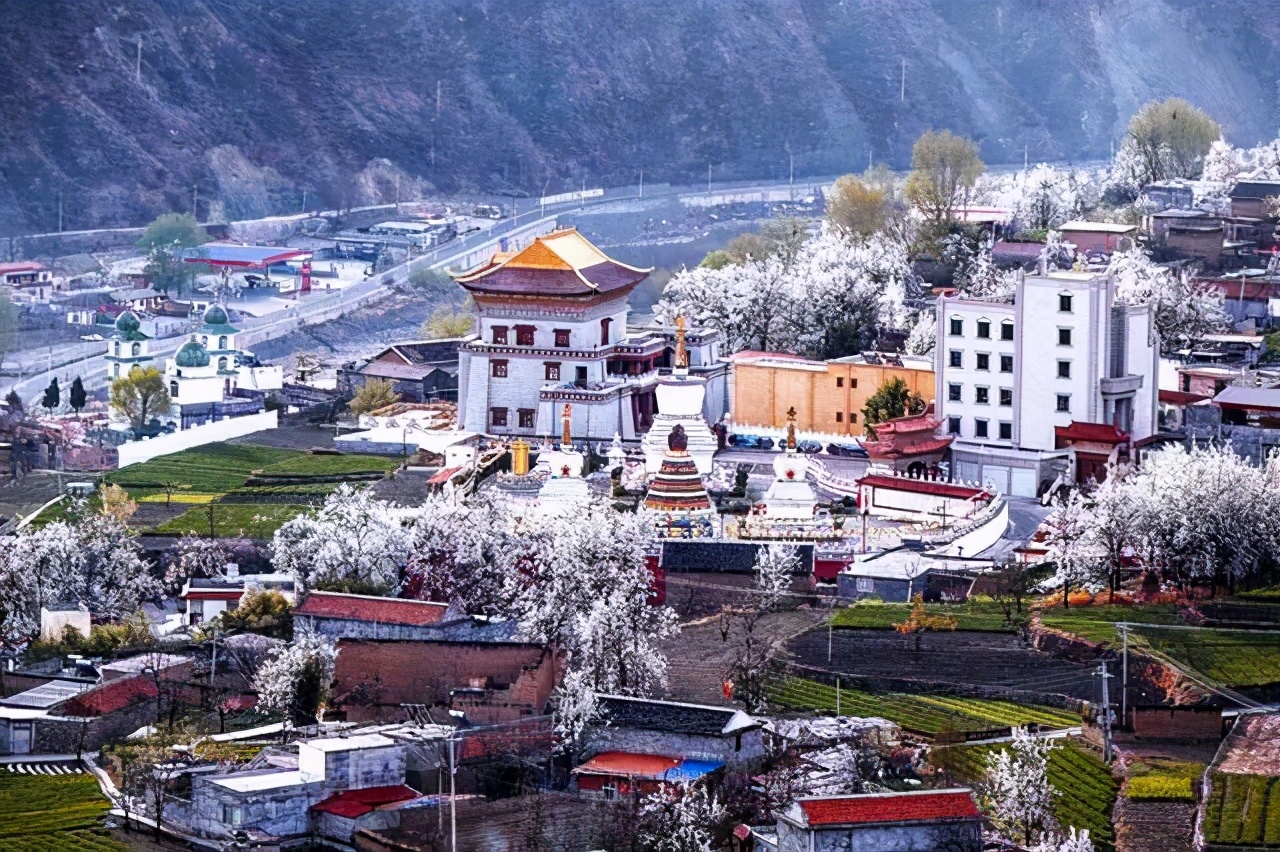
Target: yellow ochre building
[828,395]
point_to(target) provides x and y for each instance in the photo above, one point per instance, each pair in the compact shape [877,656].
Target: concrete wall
[356,769]
[282,811]
[958,837]
[135,452]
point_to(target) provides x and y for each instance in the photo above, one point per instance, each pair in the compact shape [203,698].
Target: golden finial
[791,428]
[682,352]
[565,418]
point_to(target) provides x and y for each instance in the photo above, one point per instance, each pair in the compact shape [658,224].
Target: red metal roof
[629,765]
[111,696]
[1096,433]
[893,807]
[891,450]
[923,486]
[1172,397]
[20,266]
[365,608]
[356,803]
[440,477]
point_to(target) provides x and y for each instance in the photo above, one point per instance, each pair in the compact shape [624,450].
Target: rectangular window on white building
[526,418]
[984,361]
[498,369]
[1006,363]
[1064,337]
[957,358]
[953,425]
[1006,330]
[1064,402]
[953,392]
[957,327]
[984,328]
[979,428]
[553,371]
[1064,303]
[1064,369]
[1006,396]
[981,395]
[497,417]
[1006,431]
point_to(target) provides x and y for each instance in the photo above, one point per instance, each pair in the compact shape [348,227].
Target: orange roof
[111,696]
[560,263]
[367,608]
[629,765]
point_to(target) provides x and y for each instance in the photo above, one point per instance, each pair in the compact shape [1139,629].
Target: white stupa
[790,497]
[564,490]
[680,397]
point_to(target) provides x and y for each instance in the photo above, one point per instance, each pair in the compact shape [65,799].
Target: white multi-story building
[553,330]
[1055,383]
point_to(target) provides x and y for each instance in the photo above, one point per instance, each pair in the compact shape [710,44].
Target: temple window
[604,330]
[497,416]
[222,342]
[500,334]
[526,418]
[524,335]
[984,328]
[137,349]
[562,337]
[499,369]
[553,372]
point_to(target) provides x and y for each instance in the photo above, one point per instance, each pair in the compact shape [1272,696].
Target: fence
[135,452]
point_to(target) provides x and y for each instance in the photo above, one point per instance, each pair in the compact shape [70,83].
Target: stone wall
[61,735]
[608,738]
[720,557]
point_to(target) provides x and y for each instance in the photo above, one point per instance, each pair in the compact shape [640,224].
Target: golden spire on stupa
[565,418]
[682,351]
[791,428]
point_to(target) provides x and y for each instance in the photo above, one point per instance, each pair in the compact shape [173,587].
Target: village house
[553,330]
[377,679]
[611,774]
[698,731]
[1092,238]
[29,278]
[1250,198]
[288,804]
[72,715]
[419,371]
[828,396]
[880,822]
[1015,381]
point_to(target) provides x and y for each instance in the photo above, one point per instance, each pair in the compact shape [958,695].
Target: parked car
[854,450]
[808,447]
[750,442]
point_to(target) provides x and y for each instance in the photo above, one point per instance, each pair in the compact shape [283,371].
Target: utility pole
[1024,156]
[791,180]
[213,665]
[453,803]
[1106,711]
[439,85]
[195,201]
[708,178]
[304,201]
[59,210]
[837,696]
[902,96]
[642,182]
[828,640]
[138,67]
[1124,673]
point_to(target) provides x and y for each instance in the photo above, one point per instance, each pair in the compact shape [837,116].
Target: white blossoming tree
[1074,841]
[575,710]
[465,552]
[196,557]
[774,566]
[585,588]
[1019,797]
[923,336]
[92,559]
[295,678]
[1185,308]
[353,542]
[1070,549]
[828,300]
[678,818]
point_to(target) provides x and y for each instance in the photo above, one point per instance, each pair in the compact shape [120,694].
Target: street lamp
[866,510]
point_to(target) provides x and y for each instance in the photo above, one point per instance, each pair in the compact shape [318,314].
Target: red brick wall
[1177,723]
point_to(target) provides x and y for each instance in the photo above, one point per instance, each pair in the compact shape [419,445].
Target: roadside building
[28,277]
[882,822]
[1250,198]
[553,330]
[828,396]
[1012,376]
[419,371]
[1098,237]
[611,774]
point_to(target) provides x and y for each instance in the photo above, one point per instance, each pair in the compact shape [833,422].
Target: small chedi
[789,508]
[677,499]
[564,489]
[680,399]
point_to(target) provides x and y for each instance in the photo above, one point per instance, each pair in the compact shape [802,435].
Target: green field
[1098,623]
[926,714]
[213,469]
[1223,656]
[307,464]
[972,615]
[1243,809]
[1088,792]
[253,520]
[53,813]
[1162,778]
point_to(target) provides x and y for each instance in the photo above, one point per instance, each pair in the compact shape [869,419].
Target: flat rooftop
[336,744]
[255,782]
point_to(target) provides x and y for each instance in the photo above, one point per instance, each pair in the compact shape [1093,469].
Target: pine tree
[77,396]
[52,395]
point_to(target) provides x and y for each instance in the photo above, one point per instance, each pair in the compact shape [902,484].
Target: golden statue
[565,418]
[682,352]
[791,428]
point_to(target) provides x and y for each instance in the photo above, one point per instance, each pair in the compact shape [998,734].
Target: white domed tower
[680,397]
[790,497]
[192,376]
[218,337]
[128,347]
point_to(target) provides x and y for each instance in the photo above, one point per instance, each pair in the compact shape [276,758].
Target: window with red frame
[562,337]
[499,369]
[497,417]
[524,335]
[553,372]
[526,418]
[500,334]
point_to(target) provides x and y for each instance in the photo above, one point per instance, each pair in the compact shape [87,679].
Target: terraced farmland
[53,813]
[1225,657]
[925,714]
[1243,809]
[1087,790]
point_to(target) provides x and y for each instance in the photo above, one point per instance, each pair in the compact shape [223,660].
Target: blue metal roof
[230,254]
[691,770]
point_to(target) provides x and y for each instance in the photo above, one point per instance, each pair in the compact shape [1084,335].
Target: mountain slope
[247,105]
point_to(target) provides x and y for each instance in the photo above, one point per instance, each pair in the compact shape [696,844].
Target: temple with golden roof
[553,330]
